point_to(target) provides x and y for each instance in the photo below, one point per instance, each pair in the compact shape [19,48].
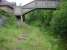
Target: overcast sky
[23,2]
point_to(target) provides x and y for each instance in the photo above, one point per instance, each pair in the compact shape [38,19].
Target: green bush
[10,19]
[59,21]
[39,17]
[8,32]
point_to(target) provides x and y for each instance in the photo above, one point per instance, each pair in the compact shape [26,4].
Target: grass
[37,40]
[8,36]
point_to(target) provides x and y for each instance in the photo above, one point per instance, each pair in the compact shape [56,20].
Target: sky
[22,2]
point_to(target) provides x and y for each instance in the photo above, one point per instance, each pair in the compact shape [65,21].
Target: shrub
[39,17]
[8,32]
[59,21]
[10,19]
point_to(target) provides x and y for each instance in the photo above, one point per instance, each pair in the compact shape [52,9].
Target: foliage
[10,19]
[56,21]
[8,32]
[55,38]
[59,25]
[59,21]
[39,17]
[37,39]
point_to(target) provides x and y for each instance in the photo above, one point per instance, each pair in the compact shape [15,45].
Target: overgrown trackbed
[31,38]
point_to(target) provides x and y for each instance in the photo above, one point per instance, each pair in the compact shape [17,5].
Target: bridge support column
[23,18]
[19,20]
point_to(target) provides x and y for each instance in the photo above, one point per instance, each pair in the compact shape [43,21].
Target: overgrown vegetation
[10,19]
[59,24]
[54,22]
[8,31]
[47,30]
[39,17]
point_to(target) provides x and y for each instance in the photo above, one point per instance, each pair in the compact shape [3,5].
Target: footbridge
[36,4]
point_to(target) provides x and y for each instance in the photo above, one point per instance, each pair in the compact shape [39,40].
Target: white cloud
[22,2]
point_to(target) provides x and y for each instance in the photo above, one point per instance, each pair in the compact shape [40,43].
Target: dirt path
[30,39]
[21,39]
